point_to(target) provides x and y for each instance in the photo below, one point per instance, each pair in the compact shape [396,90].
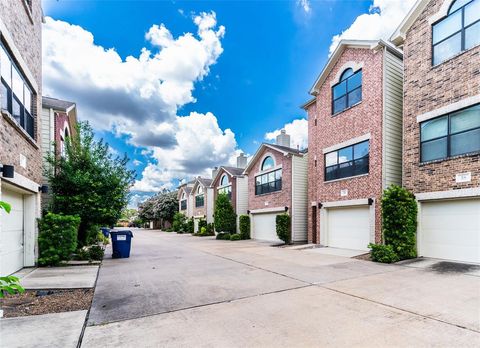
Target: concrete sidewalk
[69,277]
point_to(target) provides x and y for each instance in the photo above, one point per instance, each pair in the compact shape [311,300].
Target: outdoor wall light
[286,209]
[8,171]
[370,201]
[320,205]
[43,189]
[248,211]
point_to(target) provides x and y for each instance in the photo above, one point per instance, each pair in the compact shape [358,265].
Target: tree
[89,182]
[165,206]
[224,216]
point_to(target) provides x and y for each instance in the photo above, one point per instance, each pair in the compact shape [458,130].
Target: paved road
[179,290]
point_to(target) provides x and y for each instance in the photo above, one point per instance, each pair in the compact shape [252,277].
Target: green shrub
[245,226]
[383,253]
[399,221]
[102,239]
[225,217]
[235,236]
[179,222]
[96,253]
[203,231]
[201,224]
[10,285]
[57,238]
[190,226]
[283,227]
[223,236]
[210,229]
[92,234]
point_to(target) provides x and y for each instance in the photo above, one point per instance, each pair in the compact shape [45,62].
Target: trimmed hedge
[202,223]
[245,226]
[383,253]
[224,215]
[190,226]
[57,238]
[223,236]
[179,223]
[283,226]
[235,236]
[399,221]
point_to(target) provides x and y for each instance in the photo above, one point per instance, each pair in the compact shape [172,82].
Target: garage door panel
[349,228]
[11,237]
[264,227]
[450,230]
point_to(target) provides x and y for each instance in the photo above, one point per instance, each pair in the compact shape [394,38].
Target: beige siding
[393,111]
[299,198]
[46,131]
[210,204]
[242,198]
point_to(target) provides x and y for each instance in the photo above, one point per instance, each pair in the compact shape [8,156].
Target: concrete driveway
[179,290]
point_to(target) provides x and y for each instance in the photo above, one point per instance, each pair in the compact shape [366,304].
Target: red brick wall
[277,199]
[60,119]
[428,88]
[232,180]
[366,117]
[200,210]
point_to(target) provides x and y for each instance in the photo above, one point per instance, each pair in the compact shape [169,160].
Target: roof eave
[399,35]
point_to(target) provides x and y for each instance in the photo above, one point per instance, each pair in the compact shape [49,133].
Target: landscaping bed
[35,302]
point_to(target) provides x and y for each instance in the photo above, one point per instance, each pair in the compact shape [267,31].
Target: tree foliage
[399,221]
[283,227]
[163,206]
[224,216]
[89,181]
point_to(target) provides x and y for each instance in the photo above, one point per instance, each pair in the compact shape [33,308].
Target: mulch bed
[35,302]
[365,257]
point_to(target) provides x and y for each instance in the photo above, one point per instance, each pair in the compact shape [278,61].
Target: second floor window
[183,204]
[347,92]
[457,32]
[199,198]
[450,135]
[268,182]
[346,162]
[16,95]
[225,186]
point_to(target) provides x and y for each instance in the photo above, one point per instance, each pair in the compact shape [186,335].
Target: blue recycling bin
[121,243]
[105,231]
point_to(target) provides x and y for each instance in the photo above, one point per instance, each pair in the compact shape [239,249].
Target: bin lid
[122,232]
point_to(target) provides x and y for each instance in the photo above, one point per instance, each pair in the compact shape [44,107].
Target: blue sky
[253,78]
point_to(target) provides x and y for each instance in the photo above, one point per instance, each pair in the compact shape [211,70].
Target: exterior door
[349,227]
[264,227]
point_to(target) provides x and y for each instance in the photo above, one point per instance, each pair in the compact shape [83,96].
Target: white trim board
[449,108]
[345,203]
[347,143]
[268,210]
[452,194]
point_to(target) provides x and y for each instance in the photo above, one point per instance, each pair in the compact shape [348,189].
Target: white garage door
[11,238]
[450,230]
[264,227]
[349,228]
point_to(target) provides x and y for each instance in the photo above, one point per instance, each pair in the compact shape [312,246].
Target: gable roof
[283,149]
[342,46]
[184,188]
[232,171]
[57,104]
[202,181]
[398,37]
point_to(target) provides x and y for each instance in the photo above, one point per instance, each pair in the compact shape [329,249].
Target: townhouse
[20,137]
[441,150]
[354,143]
[185,199]
[277,183]
[203,204]
[232,182]
[59,120]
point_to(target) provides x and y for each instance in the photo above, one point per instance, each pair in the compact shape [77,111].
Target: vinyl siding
[210,205]
[46,134]
[392,128]
[242,198]
[299,198]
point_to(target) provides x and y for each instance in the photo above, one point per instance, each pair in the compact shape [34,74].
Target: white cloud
[138,198]
[139,96]
[383,18]
[200,145]
[305,5]
[136,162]
[298,131]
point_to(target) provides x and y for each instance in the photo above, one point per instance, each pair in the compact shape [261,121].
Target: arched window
[346,74]
[199,197]
[459,31]
[224,181]
[183,202]
[184,196]
[348,91]
[200,190]
[268,163]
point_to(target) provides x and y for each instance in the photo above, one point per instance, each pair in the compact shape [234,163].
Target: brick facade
[277,199]
[24,28]
[233,181]
[429,88]
[325,130]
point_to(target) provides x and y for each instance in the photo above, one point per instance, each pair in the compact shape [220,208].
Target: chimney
[214,172]
[241,161]
[283,139]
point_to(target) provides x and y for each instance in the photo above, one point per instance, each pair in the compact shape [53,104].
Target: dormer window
[199,197]
[347,92]
[458,32]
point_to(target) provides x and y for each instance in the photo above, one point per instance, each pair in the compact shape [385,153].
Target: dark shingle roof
[56,104]
[205,182]
[187,190]
[287,149]
[235,171]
